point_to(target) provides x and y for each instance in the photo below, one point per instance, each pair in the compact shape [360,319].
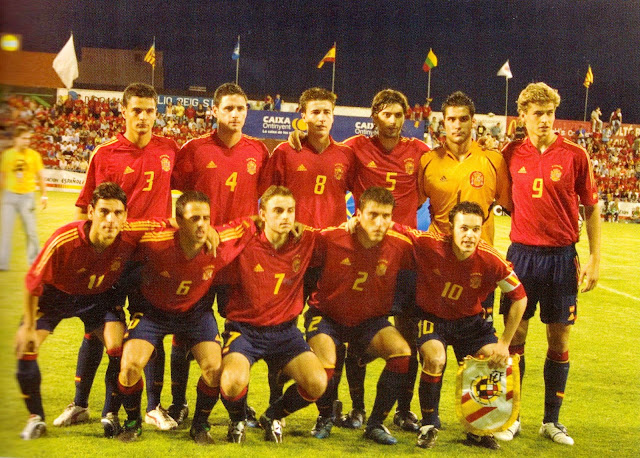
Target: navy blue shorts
[358,337]
[277,345]
[190,328]
[550,277]
[93,309]
[466,335]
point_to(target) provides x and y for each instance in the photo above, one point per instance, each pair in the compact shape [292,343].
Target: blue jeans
[22,204]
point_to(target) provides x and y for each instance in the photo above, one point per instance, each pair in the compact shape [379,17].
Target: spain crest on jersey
[476,280]
[487,400]
[476,179]
[556,173]
[296,263]
[252,166]
[165,163]
[208,271]
[338,171]
[381,268]
[409,166]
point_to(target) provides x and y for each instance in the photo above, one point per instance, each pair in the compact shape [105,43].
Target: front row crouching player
[353,302]
[172,299]
[262,315]
[74,276]
[455,274]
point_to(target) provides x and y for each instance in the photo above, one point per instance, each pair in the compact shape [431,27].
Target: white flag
[505,70]
[66,64]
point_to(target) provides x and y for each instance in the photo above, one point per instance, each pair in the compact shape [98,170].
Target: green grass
[601,407]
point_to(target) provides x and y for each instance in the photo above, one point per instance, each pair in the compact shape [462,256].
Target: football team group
[264,235]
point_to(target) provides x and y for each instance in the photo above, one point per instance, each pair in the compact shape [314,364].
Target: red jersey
[396,170]
[69,262]
[269,291]
[144,174]
[453,289]
[230,177]
[359,283]
[172,282]
[546,188]
[319,181]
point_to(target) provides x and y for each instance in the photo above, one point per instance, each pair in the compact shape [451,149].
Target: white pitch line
[615,291]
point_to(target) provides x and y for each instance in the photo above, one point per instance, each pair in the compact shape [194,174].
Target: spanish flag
[329,56]
[588,80]
[430,62]
[151,55]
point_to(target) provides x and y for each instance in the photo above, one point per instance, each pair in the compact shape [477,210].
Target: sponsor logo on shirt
[166,274]
[372,165]
[301,168]
[522,170]
[345,262]
[212,165]
[258,268]
[128,170]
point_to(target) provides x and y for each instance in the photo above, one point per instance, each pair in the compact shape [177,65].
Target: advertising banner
[278,125]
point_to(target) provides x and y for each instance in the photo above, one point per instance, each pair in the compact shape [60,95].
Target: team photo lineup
[264,242]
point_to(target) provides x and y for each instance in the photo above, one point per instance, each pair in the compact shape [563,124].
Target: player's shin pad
[487,400]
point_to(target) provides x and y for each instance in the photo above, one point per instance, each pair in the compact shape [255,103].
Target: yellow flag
[588,80]
[151,55]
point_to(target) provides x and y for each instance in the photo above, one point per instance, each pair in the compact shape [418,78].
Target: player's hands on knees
[213,241]
[591,273]
[296,138]
[26,341]
[499,356]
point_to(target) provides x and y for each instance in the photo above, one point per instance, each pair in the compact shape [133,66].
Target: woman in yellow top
[19,169]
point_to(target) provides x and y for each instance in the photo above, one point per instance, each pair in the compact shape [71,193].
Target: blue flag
[236,51]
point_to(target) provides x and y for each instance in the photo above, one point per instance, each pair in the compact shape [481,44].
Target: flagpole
[506,98]
[429,84]
[585,104]
[333,76]
[153,67]
[238,62]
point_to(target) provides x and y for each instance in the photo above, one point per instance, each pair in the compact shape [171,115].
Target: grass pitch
[601,408]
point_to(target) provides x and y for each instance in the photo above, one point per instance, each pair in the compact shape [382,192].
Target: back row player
[142,164]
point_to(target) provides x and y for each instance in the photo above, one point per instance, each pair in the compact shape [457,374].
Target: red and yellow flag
[329,56]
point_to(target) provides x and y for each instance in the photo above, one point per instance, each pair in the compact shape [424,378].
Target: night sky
[379,44]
